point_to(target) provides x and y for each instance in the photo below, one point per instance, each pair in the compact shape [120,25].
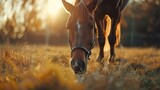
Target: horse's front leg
[112,36]
[101,38]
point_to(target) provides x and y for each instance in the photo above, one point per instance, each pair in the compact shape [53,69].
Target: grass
[32,67]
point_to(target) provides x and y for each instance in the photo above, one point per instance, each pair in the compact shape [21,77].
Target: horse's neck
[99,1]
[119,3]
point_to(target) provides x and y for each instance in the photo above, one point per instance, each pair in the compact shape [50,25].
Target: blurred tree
[143,18]
[17,16]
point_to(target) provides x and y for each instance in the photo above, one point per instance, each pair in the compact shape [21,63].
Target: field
[38,67]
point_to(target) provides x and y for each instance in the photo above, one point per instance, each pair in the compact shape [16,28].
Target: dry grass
[31,67]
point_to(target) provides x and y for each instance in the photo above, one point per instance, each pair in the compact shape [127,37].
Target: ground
[38,67]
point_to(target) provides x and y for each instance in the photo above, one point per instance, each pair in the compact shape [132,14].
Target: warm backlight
[54,6]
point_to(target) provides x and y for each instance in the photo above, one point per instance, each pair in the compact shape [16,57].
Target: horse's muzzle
[78,66]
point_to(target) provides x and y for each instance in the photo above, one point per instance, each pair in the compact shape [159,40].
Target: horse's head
[81,27]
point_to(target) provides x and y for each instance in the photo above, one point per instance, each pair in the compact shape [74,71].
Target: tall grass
[32,67]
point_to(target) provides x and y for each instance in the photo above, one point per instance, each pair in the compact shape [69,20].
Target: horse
[87,20]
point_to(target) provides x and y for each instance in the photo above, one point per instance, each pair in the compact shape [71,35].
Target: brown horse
[85,16]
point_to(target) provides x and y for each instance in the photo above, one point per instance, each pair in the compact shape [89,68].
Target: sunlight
[53,7]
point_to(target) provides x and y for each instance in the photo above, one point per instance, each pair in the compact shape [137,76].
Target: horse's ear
[92,5]
[69,7]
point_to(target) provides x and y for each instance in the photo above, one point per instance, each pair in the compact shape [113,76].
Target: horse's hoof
[78,66]
[111,58]
[99,59]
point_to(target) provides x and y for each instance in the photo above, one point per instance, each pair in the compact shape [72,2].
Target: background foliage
[27,21]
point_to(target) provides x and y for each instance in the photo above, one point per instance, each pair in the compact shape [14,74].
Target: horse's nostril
[78,66]
[77,70]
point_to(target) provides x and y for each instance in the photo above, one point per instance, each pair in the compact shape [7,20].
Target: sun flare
[53,6]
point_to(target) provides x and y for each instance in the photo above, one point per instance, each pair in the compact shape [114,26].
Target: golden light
[53,7]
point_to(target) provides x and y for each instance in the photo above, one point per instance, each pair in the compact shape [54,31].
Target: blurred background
[44,22]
